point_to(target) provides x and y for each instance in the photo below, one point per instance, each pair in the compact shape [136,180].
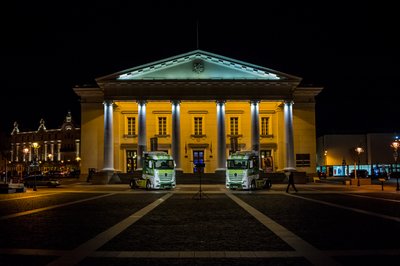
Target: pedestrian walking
[291,182]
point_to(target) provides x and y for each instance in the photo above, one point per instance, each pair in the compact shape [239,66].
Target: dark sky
[352,51]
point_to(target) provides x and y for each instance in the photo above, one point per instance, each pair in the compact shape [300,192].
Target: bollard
[382,180]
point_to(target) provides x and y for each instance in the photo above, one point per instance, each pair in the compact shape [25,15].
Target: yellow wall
[305,140]
[93,126]
[92,136]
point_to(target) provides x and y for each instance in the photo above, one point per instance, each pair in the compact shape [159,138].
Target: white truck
[158,171]
[243,172]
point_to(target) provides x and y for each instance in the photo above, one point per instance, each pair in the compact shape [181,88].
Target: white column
[17,152]
[45,151]
[176,136]
[58,150]
[221,135]
[30,151]
[255,125]
[77,145]
[12,153]
[288,120]
[52,151]
[108,136]
[141,132]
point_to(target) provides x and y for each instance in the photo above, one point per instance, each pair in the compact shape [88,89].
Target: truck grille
[165,177]
[235,177]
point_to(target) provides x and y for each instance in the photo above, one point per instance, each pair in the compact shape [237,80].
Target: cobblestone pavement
[325,223]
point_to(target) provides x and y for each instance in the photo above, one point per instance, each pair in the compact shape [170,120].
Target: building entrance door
[267,162]
[198,157]
[131,161]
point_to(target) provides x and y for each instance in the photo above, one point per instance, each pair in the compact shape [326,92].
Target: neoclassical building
[199,107]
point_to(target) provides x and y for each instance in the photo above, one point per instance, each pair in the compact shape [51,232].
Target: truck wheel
[148,185]
[253,185]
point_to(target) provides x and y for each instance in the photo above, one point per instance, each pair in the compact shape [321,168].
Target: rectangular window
[131,126]
[162,126]
[303,160]
[234,125]
[264,125]
[131,161]
[198,126]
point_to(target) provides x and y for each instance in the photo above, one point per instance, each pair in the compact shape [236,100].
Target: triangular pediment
[198,65]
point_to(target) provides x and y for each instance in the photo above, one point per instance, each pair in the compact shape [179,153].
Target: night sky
[351,51]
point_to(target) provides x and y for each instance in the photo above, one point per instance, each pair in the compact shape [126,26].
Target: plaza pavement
[84,224]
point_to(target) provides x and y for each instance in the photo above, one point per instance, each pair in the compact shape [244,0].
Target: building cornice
[197,90]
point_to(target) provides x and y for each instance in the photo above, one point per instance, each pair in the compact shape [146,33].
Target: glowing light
[214,67]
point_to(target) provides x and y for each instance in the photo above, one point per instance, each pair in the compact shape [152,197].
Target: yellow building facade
[199,107]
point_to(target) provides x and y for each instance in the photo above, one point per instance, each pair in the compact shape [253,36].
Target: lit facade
[199,107]
[337,156]
[56,149]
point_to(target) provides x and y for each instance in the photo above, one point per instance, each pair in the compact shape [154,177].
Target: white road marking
[306,250]
[75,256]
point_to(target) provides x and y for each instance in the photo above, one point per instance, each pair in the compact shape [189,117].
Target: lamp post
[78,161]
[359,150]
[395,145]
[36,147]
[26,150]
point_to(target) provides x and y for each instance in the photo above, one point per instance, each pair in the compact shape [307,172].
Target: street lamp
[359,150]
[78,162]
[26,150]
[395,145]
[36,147]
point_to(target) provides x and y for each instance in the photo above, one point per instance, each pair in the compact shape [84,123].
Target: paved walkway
[299,247]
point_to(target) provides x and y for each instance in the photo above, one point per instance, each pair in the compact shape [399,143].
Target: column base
[289,169]
[114,179]
[220,172]
[104,177]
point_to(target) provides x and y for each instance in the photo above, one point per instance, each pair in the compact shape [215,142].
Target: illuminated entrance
[198,157]
[131,161]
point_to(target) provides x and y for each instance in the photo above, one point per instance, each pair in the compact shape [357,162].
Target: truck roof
[157,155]
[243,155]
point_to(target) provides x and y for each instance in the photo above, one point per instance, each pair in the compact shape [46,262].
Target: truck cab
[243,171]
[158,171]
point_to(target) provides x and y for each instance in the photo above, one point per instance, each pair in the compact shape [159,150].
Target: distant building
[337,155]
[51,149]
[199,107]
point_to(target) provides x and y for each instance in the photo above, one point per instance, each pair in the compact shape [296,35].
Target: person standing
[291,182]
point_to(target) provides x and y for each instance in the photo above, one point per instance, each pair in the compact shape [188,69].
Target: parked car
[56,174]
[360,173]
[41,180]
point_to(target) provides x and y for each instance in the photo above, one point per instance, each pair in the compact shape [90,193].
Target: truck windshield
[164,164]
[237,164]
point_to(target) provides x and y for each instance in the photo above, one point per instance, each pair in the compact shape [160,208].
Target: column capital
[219,102]
[255,101]
[175,102]
[141,102]
[108,102]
